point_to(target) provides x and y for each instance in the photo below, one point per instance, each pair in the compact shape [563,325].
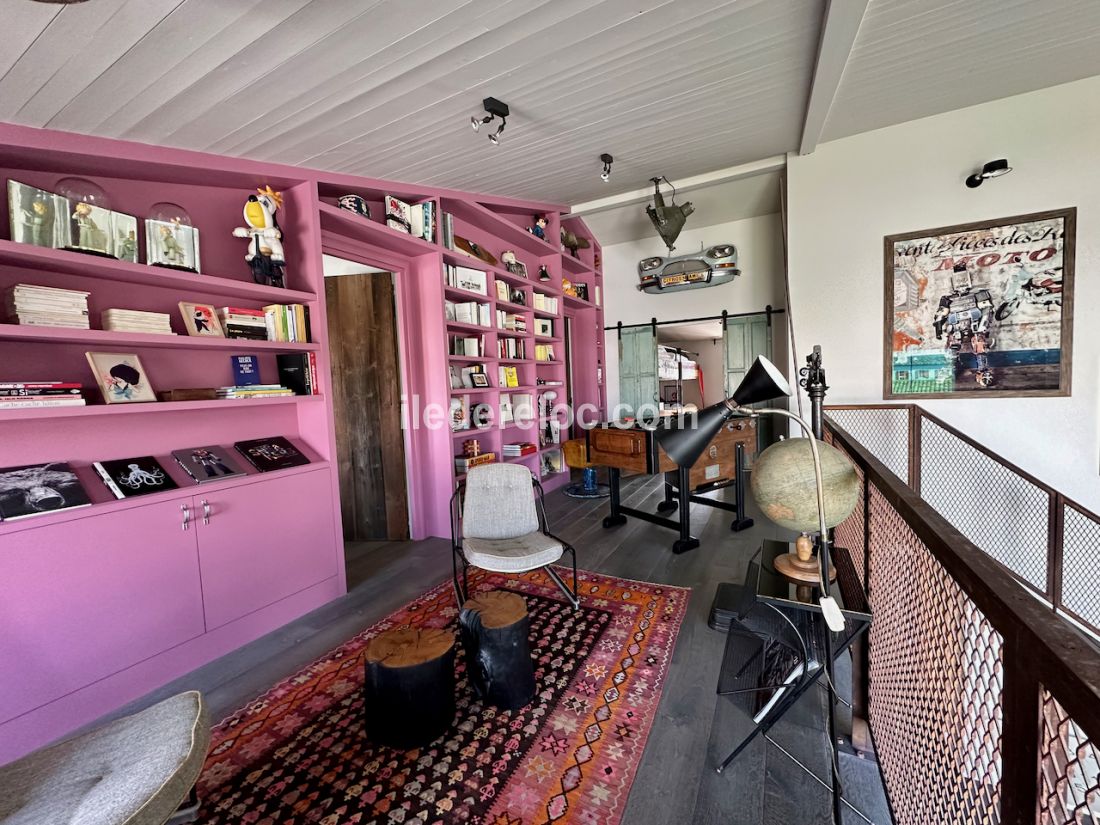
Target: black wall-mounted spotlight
[605,175]
[495,109]
[993,169]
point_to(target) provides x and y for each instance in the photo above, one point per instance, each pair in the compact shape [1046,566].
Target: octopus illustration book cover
[37,489]
[130,477]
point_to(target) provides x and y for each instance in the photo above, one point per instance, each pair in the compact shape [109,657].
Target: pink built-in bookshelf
[104,603]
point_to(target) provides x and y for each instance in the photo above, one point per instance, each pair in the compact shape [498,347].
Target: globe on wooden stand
[784,485]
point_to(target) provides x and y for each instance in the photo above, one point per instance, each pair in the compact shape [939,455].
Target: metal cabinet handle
[205,511]
[186,516]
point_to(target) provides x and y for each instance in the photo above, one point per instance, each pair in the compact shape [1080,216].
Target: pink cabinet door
[87,598]
[263,542]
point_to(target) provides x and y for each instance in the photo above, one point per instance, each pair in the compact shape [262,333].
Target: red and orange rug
[298,755]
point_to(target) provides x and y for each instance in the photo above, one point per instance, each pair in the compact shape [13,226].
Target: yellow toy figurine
[265,248]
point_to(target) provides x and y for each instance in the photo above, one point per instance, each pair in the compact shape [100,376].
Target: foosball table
[632,446]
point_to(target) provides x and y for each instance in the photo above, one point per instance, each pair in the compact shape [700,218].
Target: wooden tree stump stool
[410,686]
[494,629]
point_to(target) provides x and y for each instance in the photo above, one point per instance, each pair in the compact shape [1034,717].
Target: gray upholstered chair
[498,524]
[133,771]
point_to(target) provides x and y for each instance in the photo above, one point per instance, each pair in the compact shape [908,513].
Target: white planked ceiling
[386,87]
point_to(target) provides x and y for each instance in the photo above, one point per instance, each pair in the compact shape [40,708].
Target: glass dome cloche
[171,239]
[89,216]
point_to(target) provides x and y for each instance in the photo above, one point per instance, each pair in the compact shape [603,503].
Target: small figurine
[539,229]
[568,288]
[544,273]
[89,235]
[265,248]
[171,251]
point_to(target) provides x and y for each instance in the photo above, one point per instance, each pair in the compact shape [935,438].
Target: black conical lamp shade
[685,440]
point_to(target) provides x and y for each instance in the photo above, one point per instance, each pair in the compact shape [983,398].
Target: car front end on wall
[710,267]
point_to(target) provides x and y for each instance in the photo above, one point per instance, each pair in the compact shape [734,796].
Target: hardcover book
[246,370]
[266,454]
[294,372]
[132,477]
[37,489]
[207,463]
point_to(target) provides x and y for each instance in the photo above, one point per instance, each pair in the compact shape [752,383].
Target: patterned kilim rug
[298,754]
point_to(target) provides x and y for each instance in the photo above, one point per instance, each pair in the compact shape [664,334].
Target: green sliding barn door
[638,371]
[747,338]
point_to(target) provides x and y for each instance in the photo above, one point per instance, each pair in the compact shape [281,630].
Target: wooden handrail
[1040,648]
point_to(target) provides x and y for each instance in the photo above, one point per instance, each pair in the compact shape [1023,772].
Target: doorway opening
[361,305]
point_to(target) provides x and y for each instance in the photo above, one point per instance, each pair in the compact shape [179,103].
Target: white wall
[850,193]
[760,259]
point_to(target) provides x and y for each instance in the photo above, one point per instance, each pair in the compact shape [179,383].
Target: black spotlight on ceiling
[495,109]
[993,169]
[605,175]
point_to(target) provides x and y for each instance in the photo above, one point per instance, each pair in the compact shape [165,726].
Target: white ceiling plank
[66,36]
[23,23]
[838,36]
[355,58]
[266,47]
[116,36]
[156,65]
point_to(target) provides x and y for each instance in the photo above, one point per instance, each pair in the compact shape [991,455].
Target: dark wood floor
[695,729]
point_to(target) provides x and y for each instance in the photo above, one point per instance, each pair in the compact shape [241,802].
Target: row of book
[466,278]
[38,489]
[15,395]
[448,224]
[416,219]
[544,303]
[466,345]
[517,449]
[287,323]
[45,306]
[467,312]
[511,321]
[255,391]
[132,320]
[544,352]
[513,348]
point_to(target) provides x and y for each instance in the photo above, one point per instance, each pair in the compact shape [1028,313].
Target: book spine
[108,481]
[255,313]
[34,392]
[313,373]
[300,317]
[59,385]
[29,403]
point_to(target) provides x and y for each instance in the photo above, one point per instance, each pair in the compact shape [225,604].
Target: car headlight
[723,251]
[650,263]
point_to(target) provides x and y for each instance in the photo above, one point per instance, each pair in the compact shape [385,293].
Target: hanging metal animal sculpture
[668,220]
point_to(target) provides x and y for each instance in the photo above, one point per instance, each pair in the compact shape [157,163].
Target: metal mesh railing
[999,510]
[961,725]
[1080,575]
[1069,776]
[884,431]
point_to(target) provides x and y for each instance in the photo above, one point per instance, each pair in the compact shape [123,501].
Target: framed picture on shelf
[479,379]
[981,310]
[121,377]
[201,320]
[513,264]
[172,244]
[518,296]
[37,217]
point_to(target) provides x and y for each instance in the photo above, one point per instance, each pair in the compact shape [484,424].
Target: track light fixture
[494,109]
[605,176]
[993,169]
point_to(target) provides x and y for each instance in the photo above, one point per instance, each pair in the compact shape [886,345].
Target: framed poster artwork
[981,310]
[121,377]
[201,320]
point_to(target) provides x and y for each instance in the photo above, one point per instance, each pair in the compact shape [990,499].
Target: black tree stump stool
[494,628]
[410,686]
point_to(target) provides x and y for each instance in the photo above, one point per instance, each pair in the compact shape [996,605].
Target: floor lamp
[684,444]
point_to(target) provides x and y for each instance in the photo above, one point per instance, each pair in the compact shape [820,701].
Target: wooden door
[262,542]
[362,326]
[638,370]
[96,595]
[747,338]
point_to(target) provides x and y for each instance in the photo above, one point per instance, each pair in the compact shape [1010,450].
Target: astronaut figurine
[265,248]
